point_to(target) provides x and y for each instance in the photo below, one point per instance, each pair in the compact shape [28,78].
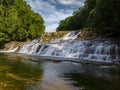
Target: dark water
[21,73]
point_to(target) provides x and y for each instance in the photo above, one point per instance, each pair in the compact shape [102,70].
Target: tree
[79,18]
[104,19]
[18,22]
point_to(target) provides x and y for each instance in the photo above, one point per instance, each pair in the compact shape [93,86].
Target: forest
[18,22]
[99,16]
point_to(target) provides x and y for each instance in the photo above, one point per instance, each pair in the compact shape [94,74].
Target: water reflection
[88,82]
[16,74]
[21,73]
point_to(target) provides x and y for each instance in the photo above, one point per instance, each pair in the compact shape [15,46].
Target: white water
[11,49]
[103,50]
[71,36]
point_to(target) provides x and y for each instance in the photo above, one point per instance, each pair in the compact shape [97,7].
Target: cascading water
[71,36]
[104,50]
[11,49]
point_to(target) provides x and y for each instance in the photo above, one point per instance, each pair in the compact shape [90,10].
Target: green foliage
[79,18]
[18,22]
[104,19]
[100,16]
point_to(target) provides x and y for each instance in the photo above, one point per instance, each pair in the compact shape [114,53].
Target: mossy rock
[54,35]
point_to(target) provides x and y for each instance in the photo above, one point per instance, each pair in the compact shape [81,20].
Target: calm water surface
[21,73]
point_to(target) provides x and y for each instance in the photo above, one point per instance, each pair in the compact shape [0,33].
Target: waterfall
[11,49]
[71,35]
[104,50]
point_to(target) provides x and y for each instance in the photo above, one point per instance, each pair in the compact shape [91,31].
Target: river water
[19,72]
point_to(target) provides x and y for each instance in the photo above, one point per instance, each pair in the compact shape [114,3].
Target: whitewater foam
[104,50]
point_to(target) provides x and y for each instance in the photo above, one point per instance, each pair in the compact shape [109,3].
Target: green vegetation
[79,18]
[105,18]
[100,16]
[18,22]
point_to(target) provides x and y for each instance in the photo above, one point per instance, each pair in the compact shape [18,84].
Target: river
[18,72]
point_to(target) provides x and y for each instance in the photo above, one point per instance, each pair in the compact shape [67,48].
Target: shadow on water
[18,75]
[98,79]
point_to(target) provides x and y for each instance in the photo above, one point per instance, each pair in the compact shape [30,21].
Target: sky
[54,10]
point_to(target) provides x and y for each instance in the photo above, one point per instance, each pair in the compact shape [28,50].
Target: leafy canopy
[104,19]
[79,18]
[100,16]
[18,22]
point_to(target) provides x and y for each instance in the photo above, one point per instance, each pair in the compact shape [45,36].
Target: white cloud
[40,5]
[51,27]
[57,16]
[54,20]
[51,14]
[71,2]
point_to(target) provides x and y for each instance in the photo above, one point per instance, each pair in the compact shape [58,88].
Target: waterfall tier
[97,50]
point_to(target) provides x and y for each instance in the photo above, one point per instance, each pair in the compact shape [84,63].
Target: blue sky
[54,10]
